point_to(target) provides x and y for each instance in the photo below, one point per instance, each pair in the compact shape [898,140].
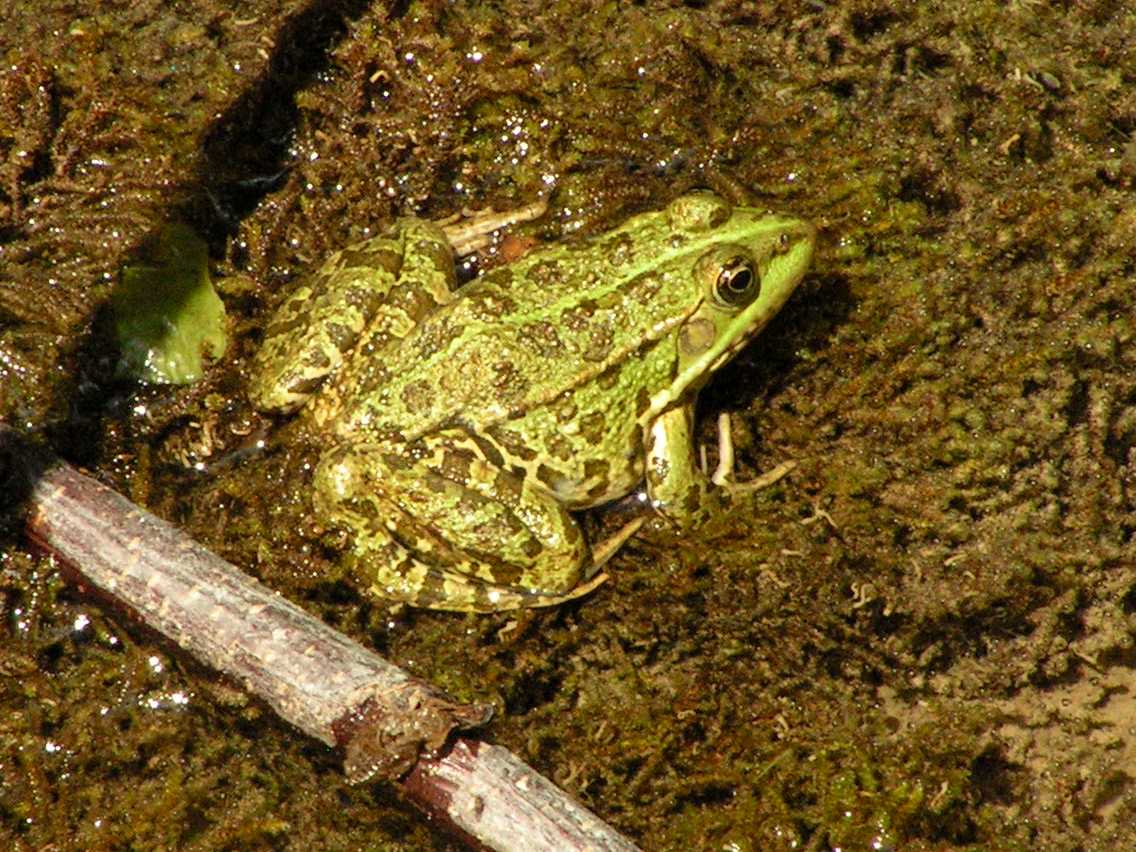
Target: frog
[463,428]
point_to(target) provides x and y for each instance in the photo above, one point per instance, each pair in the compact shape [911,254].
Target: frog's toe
[416,583]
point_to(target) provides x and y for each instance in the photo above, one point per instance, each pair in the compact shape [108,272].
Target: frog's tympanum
[464,425]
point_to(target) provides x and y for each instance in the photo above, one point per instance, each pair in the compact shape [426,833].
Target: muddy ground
[921,638]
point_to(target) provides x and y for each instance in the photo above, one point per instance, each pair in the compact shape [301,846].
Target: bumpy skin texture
[465,424]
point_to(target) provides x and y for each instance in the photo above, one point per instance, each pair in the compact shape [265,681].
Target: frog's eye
[738,282]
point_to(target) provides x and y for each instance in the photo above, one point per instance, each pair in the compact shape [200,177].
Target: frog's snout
[797,232]
[797,240]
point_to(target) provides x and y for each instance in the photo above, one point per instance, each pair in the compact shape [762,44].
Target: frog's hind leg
[395,574]
[373,292]
[436,524]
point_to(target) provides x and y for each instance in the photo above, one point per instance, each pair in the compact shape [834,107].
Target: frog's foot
[682,492]
[397,575]
[723,475]
[452,590]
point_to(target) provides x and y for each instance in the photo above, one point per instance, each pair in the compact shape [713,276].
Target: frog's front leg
[438,524]
[678,487]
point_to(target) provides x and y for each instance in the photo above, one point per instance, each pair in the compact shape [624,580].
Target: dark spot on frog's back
[600,342]
[417,396]
[363,298]
[564,408]
[546,273]
[398,461]
[340,336]
[367,256]
[471,503]
[542,339]
[456,465]
[592,427]
[579,316]
[619,249]
[560,447]
[512,443]
[509,382]
[436,336]
[507,484]
[487,303]
[415,302]
[489,451]
[376,374]
[642,288]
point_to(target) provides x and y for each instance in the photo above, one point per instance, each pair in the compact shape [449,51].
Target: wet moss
[920,637]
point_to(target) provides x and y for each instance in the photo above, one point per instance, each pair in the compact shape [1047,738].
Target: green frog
[464,426]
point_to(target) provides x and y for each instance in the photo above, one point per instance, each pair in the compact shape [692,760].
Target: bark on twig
[324,683]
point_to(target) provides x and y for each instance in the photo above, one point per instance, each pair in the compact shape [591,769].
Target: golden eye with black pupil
[737,282]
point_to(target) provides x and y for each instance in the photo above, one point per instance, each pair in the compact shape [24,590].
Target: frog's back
[522,337]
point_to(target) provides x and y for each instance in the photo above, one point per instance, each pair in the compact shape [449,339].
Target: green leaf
[166,313]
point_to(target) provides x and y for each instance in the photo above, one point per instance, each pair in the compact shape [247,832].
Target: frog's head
[748,264]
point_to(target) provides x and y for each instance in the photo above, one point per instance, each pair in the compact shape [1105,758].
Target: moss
[898,643]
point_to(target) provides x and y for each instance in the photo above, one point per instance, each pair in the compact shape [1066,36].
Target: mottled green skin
[465,424]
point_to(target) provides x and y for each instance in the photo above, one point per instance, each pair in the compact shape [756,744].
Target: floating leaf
[166,313]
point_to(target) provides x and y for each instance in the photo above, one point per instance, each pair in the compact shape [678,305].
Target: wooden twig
[386,721]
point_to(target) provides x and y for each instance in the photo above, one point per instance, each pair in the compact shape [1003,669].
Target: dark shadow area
[22,464]
[245,153]
[242,158]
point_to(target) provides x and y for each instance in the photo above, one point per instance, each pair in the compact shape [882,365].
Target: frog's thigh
[438,525]
[379,288]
